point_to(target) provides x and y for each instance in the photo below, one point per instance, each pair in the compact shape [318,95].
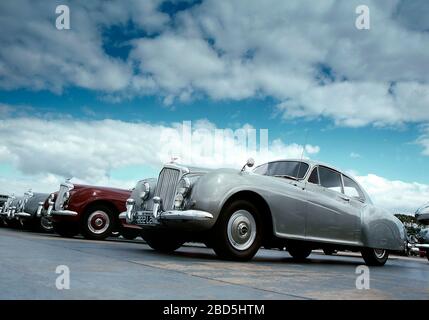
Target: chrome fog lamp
[144,195]
[129,205]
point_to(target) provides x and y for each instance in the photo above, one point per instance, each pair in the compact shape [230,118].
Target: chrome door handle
[345,198]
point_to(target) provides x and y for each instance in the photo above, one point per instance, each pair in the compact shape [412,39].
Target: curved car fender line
[215,188]
[381,230]
[82,198]
[231,193]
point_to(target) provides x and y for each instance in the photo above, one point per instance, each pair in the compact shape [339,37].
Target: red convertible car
[89,210]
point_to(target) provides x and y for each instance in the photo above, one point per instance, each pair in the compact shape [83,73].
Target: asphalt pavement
[121,269]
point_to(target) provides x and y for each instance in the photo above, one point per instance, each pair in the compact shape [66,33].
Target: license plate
[145,218]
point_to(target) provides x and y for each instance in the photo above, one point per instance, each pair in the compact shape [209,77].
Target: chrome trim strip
[23,214]
[185,215]
[64,213]
[39,209]
[130,206]
[422,246]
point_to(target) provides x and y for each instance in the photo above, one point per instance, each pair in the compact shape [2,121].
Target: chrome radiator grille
[60,197]
[166,186]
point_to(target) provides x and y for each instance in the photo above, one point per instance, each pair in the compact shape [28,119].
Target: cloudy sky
[99,102]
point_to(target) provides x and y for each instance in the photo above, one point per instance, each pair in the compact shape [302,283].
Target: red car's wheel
[98,222]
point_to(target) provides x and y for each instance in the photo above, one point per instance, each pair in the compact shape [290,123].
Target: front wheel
[237,234]
[375,257]
[161,241]
[46,224]
[98,222]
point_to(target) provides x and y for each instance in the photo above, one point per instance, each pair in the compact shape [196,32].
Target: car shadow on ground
[206,254]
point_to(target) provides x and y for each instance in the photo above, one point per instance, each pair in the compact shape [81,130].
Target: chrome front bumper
[51,212]
[67,213]
[160,214]
[422,246]
[186,215]
[23,215]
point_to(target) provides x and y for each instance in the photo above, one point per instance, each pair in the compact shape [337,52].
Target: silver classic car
[298,204]
[3,204]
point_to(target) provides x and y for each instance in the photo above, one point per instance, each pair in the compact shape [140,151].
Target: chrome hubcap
[379,253]
[241,230]
[98,222]
[46,223]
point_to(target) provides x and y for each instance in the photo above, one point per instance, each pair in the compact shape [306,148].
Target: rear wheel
[65,230]
[298,251]
[98,222]
[237,234]
[375,257]
[161,241]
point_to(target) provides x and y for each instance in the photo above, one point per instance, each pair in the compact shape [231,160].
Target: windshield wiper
[286,176]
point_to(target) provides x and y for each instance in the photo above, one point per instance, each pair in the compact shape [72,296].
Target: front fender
[214,189]
[82,198]
[382,230]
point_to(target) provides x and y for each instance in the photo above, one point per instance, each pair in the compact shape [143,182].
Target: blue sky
[299,69]
[389,152]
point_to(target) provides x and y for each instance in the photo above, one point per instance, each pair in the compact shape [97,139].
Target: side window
[330,179]
[314,177]
[351,188]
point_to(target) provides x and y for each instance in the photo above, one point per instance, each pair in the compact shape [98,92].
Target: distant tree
[411,224]
[405,218]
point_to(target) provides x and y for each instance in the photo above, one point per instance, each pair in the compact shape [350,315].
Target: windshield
[287,169]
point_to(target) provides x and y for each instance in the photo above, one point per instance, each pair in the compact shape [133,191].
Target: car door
[330,215]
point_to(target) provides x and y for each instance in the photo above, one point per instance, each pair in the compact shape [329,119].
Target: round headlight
[145,191]
[183,186]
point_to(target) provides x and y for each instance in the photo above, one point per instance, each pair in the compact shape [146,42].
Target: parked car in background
[29,212]
[298,204]
[423,242]
[9,211]
[3,201]
[90,210]
[422,214]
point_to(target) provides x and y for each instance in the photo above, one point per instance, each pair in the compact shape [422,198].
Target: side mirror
[250,163]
